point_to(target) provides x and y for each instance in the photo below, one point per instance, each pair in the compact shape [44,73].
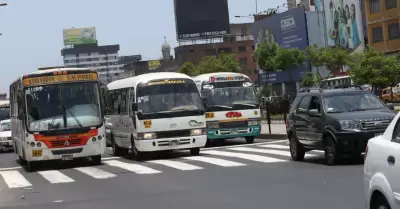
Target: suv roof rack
[358,87]
[312,89]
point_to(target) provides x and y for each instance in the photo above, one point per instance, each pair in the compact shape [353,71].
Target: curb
[273,136]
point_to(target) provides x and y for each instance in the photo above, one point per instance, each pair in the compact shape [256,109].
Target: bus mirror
[21,115]
[134,106]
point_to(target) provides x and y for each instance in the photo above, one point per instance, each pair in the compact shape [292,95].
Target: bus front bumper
[150,145]
[223,133]
[92,149]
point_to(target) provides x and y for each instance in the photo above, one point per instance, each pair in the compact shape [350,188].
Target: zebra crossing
[224,157]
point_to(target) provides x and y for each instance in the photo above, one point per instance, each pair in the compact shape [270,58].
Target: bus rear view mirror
[134,107]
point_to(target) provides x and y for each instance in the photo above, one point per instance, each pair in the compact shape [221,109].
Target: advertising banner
[287,29]
[201,18]
[78,36]
[344,24]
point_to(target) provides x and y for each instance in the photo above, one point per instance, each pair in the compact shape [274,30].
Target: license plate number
[37,153]
[378,134]
[67,157]
[174,143]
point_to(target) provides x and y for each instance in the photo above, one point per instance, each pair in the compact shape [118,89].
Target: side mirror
[390,106]
[134,106]
[313,113]
[21,115]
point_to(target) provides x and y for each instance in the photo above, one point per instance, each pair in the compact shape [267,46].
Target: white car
[6,142]
[382,169]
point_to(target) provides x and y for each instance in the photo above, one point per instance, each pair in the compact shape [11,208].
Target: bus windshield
[168,98]
[62,106]
[231,97]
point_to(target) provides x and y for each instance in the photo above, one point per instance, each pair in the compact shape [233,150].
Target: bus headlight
[196,132]
[212,125]
[254,122]
[147,136]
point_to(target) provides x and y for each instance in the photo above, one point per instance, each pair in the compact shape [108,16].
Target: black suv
[338,121]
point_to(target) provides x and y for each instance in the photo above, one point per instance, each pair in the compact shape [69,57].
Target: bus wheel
[195,151]
[118,151]
[249,139]
[96,160]
[137,155]
[31,166]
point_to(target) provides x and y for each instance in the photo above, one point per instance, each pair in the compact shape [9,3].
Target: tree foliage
[211,64]
[287,59]
[309,80]
[374,68]
[335,58]
[265,54]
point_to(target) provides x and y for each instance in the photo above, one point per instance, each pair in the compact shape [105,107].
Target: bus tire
[195,151]
[31,166]
[96,160]
[249,139]
[136,154]
[117,151]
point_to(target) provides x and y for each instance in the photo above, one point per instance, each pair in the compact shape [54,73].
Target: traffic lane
[276,186]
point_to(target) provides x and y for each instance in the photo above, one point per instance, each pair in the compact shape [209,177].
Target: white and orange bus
[56,114]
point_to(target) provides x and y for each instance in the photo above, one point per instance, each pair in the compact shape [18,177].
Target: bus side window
[123,101]
[131,100]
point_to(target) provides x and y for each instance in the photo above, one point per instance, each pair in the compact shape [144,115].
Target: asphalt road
[227,175]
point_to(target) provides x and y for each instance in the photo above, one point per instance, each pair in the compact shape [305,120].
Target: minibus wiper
[73,115]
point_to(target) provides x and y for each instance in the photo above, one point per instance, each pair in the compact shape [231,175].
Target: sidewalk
[278,131]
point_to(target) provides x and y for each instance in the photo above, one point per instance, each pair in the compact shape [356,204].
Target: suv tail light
[287,125]
[366,152]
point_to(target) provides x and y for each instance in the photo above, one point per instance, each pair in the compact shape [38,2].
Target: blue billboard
[287,29]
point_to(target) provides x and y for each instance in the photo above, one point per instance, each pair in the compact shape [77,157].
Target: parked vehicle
[6,143]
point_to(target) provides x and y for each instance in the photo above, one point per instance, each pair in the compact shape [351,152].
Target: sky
[32,29]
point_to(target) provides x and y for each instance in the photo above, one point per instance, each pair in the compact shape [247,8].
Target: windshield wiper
[251,105]
[223,106]
[73,115]
[51,124]
[362,109]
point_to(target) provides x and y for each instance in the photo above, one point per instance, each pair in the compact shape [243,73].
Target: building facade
[383,22]
[240,43]
[103,58]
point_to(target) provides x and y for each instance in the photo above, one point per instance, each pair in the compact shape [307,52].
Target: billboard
[201,18]
[78,36]
[344,24]
[288,29]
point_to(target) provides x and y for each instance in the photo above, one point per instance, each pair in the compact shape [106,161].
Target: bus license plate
[37,153]
[67,157]
[174,143]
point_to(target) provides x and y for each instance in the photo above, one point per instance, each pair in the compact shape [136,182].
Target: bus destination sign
[59,79]
[165,82]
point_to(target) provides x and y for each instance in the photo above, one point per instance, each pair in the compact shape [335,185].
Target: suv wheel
[296,150]
[330,151]
[380,203]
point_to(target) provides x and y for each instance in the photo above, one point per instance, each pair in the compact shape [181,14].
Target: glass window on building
[394,32]
[391,4]
[377,34]
[374,6]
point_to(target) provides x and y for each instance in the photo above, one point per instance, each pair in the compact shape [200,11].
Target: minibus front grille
[173,134]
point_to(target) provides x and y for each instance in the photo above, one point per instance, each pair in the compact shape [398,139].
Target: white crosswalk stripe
[215,161]
[274,146]
[55,177]
[96,173]
[272,152]
[14,179]
[139,169]
[177,165]
[252,157]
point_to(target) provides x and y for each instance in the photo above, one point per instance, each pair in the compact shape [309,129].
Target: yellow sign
[166,82]
[154,64]
[210,115]
[147,123]
[37,153]
[59,78]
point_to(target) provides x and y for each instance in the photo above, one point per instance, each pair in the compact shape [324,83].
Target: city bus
[155,112]
[232,106]
[56,114]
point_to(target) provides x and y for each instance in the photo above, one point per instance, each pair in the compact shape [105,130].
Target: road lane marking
[245,145]
[276,146]
[177,165]
[14,179]
[272,152]
[215,161]
[257,158]
[55,177]
[139,169]
[96,173]
[110,158]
